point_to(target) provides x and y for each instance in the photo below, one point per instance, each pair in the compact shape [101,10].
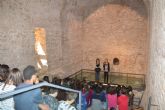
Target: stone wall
[117,30]
[16,34]
[71,38]
[77,32]
[61,22]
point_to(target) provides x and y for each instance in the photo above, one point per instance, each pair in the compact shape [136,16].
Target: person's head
[54,80]
[118,90]
[123,90]
[97,61]
[15,77]
[29,74]
[58,82]
[46,78]
[62,95]
[129,88]
[111,90]
[98,90]
[112,108]
[4,72]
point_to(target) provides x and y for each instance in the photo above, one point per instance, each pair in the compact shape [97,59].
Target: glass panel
[118,78]
[88,75]
[134,80]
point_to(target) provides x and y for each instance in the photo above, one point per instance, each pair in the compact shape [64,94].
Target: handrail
[15,92]
[103,71]
[74,73]
[115,72]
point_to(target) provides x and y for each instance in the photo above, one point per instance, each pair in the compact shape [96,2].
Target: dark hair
[111,90]
[54,80]
[129,88]
[97,60]
[118,89]
[46,78]
[4,72]
[123,90]
[62,95]
[58,81]
[98,89]
[28,72]
[112,108]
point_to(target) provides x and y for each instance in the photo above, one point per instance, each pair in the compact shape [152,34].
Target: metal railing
[135,80]
[15,92]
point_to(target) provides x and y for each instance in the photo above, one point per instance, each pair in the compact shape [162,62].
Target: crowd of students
[95,95]
[99,96]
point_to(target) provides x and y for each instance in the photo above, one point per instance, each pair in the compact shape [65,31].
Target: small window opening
[40,50]
[116,61]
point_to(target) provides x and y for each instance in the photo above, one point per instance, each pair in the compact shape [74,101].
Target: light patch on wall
[44,62]
[38,65]
[40,50]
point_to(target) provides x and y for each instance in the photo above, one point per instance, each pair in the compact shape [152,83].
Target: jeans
[97,76]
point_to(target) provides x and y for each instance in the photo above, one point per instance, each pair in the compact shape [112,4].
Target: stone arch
[116,30]
[92,7]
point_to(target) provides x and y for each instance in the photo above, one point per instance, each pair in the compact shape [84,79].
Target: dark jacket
[97,69]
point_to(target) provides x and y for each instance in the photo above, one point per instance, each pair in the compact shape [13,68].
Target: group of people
[96,95]
[13,79]
[106,69]
[99,96]
[109,97]
[43,98]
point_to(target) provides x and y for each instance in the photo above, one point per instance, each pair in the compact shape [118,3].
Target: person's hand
[44,107]
[37,81]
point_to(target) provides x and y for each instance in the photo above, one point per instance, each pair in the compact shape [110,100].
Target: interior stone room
[62,37]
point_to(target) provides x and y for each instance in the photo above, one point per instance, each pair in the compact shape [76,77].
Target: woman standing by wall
[106,68]
[97,70]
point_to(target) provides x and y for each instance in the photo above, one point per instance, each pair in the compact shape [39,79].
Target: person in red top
[123,100]
[89,97]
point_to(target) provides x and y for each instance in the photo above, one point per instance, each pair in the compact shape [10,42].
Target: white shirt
[7,104]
